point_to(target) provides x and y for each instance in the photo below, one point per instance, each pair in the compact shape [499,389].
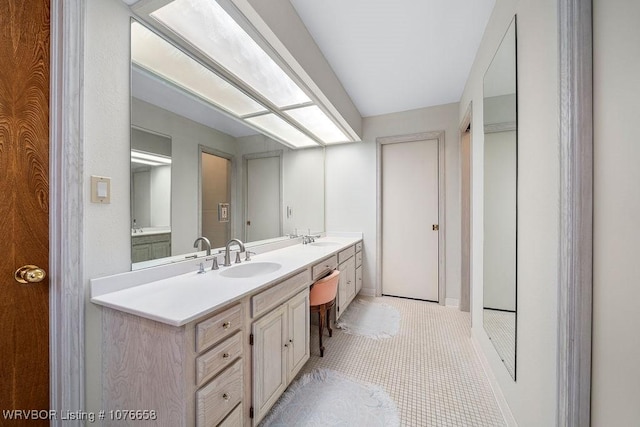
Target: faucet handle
[201,268]
[238,260]
[214,266]
[248,255]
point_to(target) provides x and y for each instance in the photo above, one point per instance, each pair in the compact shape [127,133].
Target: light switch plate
[100,189]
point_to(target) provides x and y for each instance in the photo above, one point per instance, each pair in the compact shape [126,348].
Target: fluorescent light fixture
[282,130]
[318,123]
[146,162]
[209,28]
[150,157]
[153,53]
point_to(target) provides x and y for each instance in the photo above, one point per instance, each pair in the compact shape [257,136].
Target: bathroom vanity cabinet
[183,376]
[148,247]
[280,349]
[207,350]
[350,267]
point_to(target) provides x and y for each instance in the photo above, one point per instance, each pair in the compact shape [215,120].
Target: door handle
[29,274]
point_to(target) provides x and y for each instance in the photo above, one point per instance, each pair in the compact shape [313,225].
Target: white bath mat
[370,319]
[328,398]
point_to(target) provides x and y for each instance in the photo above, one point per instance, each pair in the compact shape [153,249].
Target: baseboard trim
[367,292]
[495,387]
[452,302]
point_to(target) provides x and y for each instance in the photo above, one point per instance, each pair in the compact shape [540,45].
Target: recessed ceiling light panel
[160,57]
[318,123]
[210,29]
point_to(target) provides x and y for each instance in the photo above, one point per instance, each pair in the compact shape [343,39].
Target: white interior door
[263,199]
[409,213]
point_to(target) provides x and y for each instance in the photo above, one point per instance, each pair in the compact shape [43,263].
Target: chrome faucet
[206,243]
[227,257]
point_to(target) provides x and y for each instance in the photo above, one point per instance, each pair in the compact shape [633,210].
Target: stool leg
[320,328]
[329,322]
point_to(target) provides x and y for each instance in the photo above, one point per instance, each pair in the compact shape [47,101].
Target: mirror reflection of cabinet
[500,200]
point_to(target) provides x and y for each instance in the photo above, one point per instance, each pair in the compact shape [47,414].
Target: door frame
[66,198]
[204,149]
[422,136]
[466,293]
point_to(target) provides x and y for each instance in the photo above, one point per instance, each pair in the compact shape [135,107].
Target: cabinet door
[299,324]
[269,360]
[141,253]
[341,303]
[350,273]
[358,279]
[161,249]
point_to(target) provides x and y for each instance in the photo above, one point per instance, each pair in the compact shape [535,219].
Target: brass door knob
[30,274]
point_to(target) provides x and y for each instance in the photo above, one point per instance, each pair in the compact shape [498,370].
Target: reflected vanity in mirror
[500,200]
[150,195]
[225,179]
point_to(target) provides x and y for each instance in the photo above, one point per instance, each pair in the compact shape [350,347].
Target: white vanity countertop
[179,300]
[150,231]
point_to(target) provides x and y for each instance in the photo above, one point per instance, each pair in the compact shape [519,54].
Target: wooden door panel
[24,202]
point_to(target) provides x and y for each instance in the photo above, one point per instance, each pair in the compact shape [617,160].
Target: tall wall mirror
[196,171]
[500,200]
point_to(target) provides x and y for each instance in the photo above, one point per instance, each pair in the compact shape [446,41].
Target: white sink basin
[251,269]
[324,244]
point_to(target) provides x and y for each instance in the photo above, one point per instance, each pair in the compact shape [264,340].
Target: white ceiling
[398,55]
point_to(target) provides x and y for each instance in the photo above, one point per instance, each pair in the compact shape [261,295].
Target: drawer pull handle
[226,325]
[225,356]
[226,396]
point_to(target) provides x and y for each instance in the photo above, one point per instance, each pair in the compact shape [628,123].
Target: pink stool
[322,298]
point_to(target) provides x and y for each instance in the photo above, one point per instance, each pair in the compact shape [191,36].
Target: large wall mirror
[500,200]
[198,172]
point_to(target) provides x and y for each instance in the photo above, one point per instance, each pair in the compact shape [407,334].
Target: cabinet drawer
[215,400]
[218,327]
[358,259]
[216,359]
[277,294]
[234,419]
[324,266]
[346,254]
[358,246]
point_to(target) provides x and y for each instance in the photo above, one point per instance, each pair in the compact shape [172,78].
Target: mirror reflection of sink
[324,244]
[251,269]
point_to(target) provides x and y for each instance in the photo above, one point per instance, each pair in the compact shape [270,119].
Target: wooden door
[24,203]
[299,324]
[269,361]
[409,213]
[215,182]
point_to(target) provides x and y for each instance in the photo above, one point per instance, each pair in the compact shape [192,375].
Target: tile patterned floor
[430,368]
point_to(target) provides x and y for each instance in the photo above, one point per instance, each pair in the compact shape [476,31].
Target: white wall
[160,198]
[351,184]
[532,399]
[106,152]
[616,295]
